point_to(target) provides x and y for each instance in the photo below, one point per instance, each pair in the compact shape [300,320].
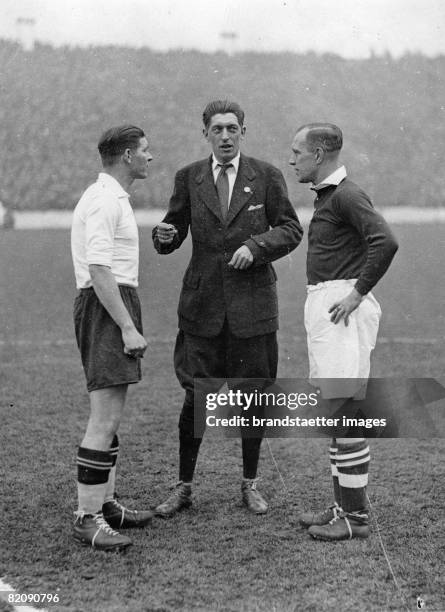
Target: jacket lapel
[206,188]
[242,189]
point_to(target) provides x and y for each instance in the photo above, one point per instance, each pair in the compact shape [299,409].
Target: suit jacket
[261,217]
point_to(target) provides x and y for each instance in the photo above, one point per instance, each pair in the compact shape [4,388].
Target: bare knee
[106,408]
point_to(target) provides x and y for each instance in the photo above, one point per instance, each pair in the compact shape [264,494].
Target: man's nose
[291,161]
[225,134]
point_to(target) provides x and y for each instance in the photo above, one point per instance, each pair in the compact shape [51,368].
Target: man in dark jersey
[350,248]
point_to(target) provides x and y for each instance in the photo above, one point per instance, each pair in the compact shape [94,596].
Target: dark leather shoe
[345,526]
[252,499]
[119,517]
[307,519]
[178,500]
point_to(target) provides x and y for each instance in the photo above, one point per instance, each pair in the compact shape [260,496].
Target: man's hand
[242,258]
[343,308]
[134,344]
[165,232]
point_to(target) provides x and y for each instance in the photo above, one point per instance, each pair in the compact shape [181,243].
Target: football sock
[352,462]
[93,468]
[251,454]
[332,456]
[114,450]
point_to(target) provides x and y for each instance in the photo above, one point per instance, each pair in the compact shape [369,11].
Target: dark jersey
[348,238]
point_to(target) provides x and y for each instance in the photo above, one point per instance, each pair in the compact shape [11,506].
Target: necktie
[222,187]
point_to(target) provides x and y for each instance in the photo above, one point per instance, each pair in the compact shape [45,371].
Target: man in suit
[240,220]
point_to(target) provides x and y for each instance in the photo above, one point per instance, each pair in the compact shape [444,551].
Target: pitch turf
[214,556]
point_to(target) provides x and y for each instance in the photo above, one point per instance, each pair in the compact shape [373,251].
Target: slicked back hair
[327,136]
[116,140]
[220,107]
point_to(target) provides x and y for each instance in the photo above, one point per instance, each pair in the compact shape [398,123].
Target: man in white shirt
[108,325]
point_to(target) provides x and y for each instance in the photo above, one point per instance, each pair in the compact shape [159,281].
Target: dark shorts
[100,340]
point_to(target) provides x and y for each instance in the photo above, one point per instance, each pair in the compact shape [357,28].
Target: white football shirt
[104,232]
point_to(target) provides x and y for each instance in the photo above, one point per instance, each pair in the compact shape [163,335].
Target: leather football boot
[307,519]
[120,517]
[344,526]
[93,530]
[178,500]
[252,499]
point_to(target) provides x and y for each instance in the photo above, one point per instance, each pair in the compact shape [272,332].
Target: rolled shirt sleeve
[100,226]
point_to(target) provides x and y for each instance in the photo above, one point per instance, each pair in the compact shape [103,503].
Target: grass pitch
[214,556]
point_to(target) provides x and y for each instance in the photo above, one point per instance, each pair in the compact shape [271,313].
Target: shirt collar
[335,178]
[112,184]
[234,162]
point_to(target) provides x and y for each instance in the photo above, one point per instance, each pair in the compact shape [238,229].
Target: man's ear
[319,155]
[126,156]
[205,132]
[243,131]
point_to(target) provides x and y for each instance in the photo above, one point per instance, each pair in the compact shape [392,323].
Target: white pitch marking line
[4,586]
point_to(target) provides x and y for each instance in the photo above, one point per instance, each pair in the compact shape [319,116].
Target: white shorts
[339,351]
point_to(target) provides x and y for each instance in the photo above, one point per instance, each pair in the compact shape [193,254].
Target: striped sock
[352,462]
[114,450]
[333,456]
[93,468]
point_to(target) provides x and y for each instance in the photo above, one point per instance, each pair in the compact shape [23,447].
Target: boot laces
[341,514]
[251,483]
[98,519]
[338,514]
[336,510]
[118,505]
[179,490]
[103,525]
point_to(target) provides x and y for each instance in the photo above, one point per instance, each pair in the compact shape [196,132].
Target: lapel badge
[247,190]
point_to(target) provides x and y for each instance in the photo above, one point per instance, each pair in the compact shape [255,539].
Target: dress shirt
[231,172]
